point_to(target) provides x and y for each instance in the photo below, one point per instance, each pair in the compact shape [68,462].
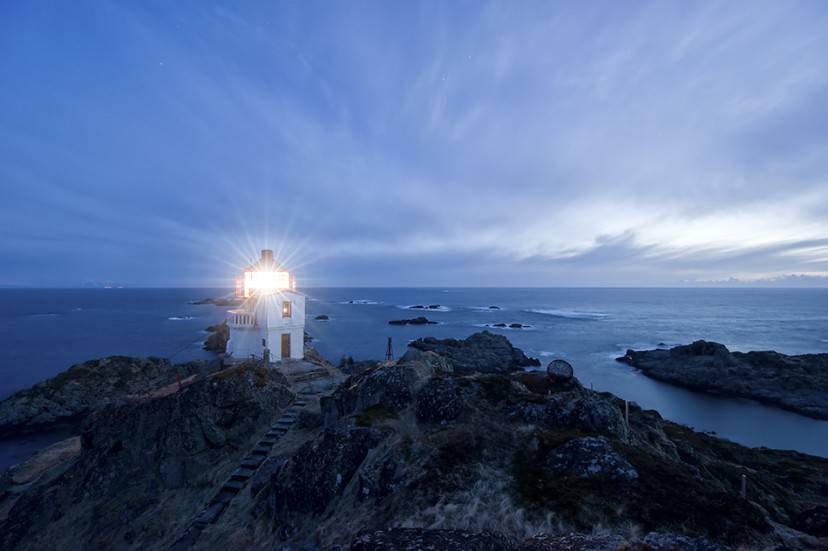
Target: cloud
[532,144]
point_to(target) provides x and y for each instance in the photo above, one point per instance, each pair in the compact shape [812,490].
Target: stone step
[267,442]
[284,422]
[210,514]
[233,486]
[251,462]
[263,452]
[273,434]
[188,539]
[280,430]
[221,497]
[242,473]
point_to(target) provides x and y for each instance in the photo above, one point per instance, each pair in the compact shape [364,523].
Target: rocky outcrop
[439,401]
[217,341]
[316,474]
[482,352]
[390,386]
[87,387]
[145,466]
[420,320]
[796,383]
[417,455]
[591,457]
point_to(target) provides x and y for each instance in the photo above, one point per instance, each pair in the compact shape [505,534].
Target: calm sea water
[46,331]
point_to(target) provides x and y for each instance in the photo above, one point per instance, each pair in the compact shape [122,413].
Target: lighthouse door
[286,345]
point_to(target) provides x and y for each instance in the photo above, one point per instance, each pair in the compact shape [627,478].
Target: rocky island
[455,446]
[796,383]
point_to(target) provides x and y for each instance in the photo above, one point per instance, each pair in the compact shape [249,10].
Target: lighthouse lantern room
[270,324]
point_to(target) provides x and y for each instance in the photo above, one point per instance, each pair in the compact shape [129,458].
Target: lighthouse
[270,324]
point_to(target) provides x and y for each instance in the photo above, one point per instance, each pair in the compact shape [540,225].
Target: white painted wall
[245,340]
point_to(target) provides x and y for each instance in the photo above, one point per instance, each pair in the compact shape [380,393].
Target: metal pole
[743,493]
[627,421]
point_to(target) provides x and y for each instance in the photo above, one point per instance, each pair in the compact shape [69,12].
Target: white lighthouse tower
[270,324]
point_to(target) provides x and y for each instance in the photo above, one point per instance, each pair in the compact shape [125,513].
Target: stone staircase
[239,477]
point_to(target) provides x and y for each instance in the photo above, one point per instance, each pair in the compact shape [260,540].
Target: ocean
[44,331]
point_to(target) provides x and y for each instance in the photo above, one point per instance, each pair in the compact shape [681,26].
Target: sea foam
[569,314]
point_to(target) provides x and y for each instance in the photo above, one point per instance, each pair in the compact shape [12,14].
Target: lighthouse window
[286,309]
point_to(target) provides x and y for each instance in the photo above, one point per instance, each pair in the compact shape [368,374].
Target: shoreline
[795,383]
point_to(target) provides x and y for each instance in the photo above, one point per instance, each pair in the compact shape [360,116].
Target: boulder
[322,317]
[594,413]
[438,401]
[482,352]
[591,457]
[428,362]
[559,371]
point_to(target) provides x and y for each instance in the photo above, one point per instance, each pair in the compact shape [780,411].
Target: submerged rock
[798,383]
[322,317]
[414,321]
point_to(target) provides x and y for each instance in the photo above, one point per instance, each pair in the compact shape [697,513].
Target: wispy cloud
[489,143]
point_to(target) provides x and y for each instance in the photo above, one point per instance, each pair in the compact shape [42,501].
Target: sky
[444,143]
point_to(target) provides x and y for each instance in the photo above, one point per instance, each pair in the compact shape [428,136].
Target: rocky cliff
[796,383]
[87,387]
[144,466]
[441,450]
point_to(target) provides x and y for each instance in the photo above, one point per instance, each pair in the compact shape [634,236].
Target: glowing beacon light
[265,283]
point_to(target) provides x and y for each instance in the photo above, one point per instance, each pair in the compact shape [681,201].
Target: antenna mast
[389,352]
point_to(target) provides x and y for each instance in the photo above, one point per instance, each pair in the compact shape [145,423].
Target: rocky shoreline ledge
[796,383]
[453,447]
